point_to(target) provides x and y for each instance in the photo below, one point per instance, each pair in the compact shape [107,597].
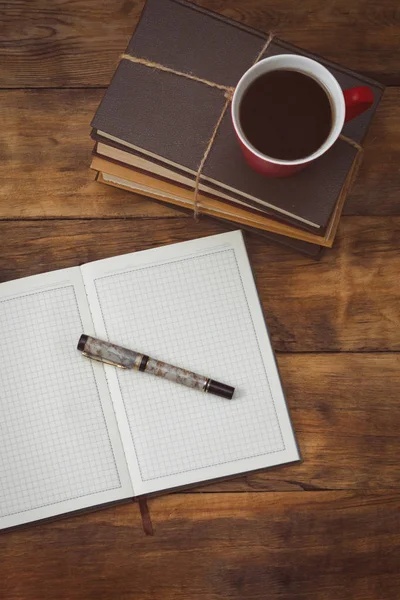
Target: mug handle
[357,100]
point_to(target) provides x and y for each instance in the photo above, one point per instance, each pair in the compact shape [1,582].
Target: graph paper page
[60,446]
[194,305]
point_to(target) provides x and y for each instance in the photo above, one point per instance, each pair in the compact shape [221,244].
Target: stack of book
[154,124]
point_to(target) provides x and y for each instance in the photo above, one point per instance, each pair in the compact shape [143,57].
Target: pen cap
[220,389]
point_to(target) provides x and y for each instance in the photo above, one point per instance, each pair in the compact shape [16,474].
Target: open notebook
[76,434]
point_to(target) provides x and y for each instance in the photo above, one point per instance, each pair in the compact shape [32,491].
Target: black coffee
[286,114]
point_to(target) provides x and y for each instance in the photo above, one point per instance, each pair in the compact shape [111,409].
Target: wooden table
[325,529]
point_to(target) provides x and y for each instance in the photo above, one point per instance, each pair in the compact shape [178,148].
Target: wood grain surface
[327,528]
[308,545]
[76,43]
[348,301]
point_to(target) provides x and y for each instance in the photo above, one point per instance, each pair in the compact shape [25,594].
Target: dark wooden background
[326,529]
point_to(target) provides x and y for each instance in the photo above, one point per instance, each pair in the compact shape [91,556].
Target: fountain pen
[123,358]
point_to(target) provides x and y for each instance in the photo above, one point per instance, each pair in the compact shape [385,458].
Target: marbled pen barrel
[129,359]
[161,369]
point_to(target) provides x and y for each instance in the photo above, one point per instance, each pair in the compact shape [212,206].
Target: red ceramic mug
[345,106]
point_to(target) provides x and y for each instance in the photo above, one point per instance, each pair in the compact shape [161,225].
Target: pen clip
[106,362]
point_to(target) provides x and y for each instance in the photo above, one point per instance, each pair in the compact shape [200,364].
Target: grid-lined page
[193,312]
[55,444]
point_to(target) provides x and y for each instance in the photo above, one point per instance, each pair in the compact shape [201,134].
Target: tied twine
[348,140]
[228,93]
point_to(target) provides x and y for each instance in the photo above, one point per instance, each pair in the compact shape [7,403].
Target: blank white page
[60,447]
[194,305]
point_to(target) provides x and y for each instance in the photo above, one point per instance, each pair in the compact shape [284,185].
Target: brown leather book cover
[171,118]
[136,163]
[311,250]
[143,183]
[139,161]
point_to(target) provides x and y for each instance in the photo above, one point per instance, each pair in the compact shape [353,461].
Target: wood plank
[78,43]
[378,180]
[347,302]
[286,546]
[45,155]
